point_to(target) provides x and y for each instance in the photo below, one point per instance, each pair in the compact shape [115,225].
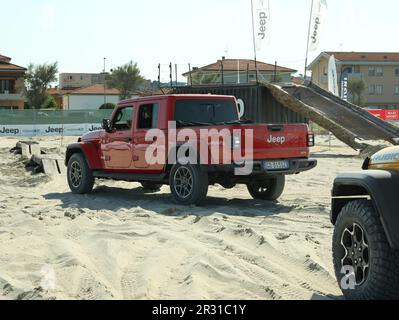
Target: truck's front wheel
[80,177]
[269,189]
[189,184]
[365,265]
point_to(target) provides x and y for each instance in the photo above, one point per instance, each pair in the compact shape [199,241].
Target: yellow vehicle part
[386,159]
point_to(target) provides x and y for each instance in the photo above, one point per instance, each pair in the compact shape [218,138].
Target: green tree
[37,80]
[200,77]
[127,79]
[51,103]
[356,87]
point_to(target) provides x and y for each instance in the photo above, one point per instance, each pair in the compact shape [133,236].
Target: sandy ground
[120,243]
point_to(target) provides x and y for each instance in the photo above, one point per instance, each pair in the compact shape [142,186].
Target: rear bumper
[295,166]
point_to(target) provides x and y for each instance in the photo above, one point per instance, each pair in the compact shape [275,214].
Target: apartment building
[79,80]
[11,81]
[379,70]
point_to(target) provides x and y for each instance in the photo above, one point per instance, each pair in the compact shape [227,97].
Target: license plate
[277,165]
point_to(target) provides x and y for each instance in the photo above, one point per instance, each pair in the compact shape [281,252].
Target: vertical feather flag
[318,17]
[261,23]
[332,76]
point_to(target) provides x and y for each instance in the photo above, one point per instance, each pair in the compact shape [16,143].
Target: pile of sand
[120,243]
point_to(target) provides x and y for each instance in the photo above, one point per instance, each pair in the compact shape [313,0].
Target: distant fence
[50,123]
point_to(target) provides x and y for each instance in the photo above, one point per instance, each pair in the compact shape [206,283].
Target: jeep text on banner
[31,130]
[318,18]
[261,20]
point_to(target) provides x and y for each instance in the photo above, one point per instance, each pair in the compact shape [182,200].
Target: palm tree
[356,87]
[126,79]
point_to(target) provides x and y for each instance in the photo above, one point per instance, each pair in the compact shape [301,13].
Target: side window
[123,119]
[148,116]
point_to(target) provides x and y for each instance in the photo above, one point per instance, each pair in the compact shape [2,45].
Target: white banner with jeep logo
[47,130]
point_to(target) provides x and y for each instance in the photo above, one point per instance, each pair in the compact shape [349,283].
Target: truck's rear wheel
[189,184]
[80,177]
[269,189]
[151,186]
[365,265]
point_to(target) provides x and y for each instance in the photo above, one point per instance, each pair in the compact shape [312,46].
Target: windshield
[206,111]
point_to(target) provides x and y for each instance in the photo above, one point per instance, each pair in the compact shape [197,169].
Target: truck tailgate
[278,141]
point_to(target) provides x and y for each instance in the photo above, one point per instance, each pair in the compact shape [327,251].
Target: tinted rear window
[207,111]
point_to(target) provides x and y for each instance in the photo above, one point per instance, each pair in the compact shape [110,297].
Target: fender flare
[90,152]
[381,187]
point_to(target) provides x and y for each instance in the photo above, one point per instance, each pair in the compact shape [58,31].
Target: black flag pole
[307,45]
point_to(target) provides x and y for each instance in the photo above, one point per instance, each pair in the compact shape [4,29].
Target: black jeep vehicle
[365,212]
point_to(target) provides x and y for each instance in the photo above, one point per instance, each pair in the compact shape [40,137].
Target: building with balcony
[379,70]
[11,81]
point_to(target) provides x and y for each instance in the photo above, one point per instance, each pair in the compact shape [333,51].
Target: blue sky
[79,34]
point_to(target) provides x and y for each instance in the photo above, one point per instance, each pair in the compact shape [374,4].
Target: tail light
[311,142]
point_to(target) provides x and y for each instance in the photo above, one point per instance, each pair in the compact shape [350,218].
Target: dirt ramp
[349,123]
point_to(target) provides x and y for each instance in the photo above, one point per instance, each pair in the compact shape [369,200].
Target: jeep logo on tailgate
[278,140]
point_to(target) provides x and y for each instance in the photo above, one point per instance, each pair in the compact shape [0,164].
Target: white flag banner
[332,76]
[261,21]
[319,12]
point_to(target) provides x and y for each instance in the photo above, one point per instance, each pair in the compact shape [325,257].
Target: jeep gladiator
[185,131]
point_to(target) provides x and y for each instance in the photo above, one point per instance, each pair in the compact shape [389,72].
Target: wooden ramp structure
[351,124]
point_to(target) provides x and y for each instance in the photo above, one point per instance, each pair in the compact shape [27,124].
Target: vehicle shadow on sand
[114,199]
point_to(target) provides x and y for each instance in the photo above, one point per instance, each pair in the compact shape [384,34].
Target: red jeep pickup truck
[189,142]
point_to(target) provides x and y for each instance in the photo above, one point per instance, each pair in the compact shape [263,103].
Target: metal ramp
[349,123]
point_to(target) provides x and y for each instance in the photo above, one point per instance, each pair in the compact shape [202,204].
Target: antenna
[176,73]
[170,75]
[159,76]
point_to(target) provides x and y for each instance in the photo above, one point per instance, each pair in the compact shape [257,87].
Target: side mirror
[106,125]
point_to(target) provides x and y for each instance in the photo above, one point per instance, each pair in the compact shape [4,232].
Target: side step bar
[131,176]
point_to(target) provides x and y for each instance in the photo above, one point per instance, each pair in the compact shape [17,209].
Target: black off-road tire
[199,184]
[85,184]
[269,189]
[382,281]
[151,186]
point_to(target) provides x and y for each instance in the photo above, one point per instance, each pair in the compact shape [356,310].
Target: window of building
[5,86]
[397,89]
[379,90]
[371,72]
[372,89]
[396,72]
[148,116]
[356,69]
[379,71]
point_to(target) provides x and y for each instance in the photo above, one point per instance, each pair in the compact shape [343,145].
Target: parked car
[123,150]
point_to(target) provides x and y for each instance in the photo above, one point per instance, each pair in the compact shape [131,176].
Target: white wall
[89,102]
